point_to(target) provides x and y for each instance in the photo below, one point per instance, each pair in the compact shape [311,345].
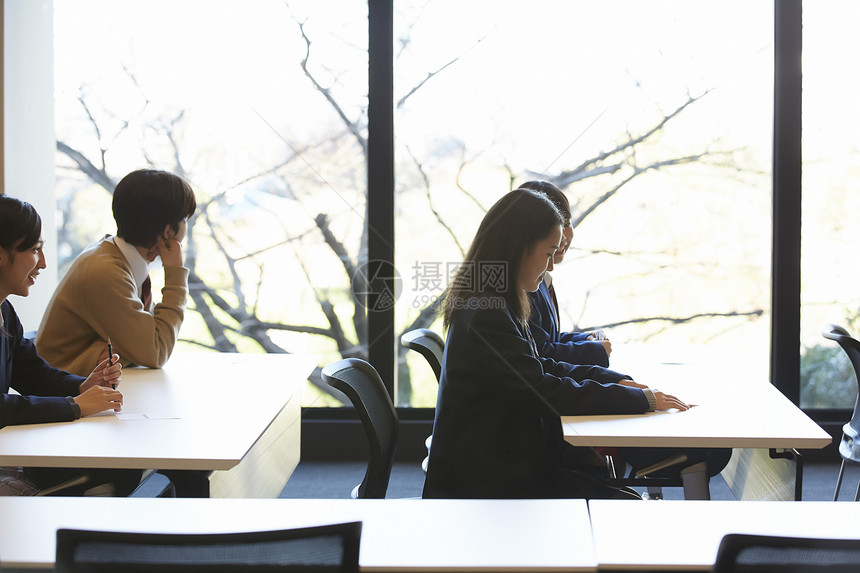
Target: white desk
[731,412]
[206,411]
[414,535]
[685,535]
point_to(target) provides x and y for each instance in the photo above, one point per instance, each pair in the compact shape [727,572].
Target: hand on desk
[667,402]
[664,401]
[98,399]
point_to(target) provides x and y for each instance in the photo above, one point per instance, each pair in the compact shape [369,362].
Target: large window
[654,117]
[830,234]
[262,107]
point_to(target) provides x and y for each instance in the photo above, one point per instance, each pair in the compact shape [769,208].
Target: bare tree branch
[351,125]
[430,75]
[98,175]
[576,220]
[677,320]
[433,210]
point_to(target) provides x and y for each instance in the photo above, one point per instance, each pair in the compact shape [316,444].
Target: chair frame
[417,340]
[849,447]
[68,540]
[376,477]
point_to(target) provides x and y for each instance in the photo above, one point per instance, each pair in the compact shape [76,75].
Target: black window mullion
[380,185]
[785,276]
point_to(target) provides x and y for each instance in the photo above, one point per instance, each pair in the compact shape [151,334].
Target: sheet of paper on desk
[125,416]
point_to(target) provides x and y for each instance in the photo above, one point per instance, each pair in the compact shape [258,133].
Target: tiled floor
[336,480]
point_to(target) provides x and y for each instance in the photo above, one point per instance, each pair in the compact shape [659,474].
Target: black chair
[427,343]
[362,385]
[849,448]
[327,548]
[742,553]
[431,346]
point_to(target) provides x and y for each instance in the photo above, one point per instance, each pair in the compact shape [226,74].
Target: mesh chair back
[740,553]
[322,549]
[429,344]
[362,385]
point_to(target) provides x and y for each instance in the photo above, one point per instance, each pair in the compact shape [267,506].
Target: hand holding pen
[107,373]
[98,392]
[110,360]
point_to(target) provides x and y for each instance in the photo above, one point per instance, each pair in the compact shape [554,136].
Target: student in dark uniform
[497,432]
[552,342]
[44,394]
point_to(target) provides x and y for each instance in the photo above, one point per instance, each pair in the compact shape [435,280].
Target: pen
[110,359]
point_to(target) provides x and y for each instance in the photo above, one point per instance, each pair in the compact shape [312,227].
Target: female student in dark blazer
[497,432]
[45,394]
[573,347]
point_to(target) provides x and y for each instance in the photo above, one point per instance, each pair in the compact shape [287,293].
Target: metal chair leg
[839,481]
[610,467]
[655,492]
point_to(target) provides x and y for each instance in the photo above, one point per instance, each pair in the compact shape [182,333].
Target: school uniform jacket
[497,432]
[44,391]
[573,347]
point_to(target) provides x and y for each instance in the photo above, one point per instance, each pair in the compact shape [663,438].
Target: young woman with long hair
[497,432]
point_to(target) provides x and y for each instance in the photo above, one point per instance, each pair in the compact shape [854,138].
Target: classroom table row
[446,535]
[238,416]
[234,417]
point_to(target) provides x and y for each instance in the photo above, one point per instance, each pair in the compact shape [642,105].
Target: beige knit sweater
[97,299]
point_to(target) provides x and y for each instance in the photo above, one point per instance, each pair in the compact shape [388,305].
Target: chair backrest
[326,548]
[362,385]
[851,346]
[429,344]
[741,553]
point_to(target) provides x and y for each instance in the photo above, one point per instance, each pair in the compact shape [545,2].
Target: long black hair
[510,229]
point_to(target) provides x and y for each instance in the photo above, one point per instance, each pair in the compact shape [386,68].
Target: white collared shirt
[139,266]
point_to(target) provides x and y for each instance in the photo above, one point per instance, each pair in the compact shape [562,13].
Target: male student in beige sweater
[103,296]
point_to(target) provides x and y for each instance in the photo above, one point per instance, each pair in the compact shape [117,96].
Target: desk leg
[792,454]
[267,466]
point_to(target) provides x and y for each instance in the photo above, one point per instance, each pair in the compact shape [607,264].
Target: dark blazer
[43,389]
[570,347]
[497,432]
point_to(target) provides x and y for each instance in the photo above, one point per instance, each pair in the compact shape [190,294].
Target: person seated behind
[594,349]
[105,293]
[44,394]
[573,347]
[497,432]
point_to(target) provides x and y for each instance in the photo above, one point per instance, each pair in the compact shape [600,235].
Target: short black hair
[20,224]
[147,200]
